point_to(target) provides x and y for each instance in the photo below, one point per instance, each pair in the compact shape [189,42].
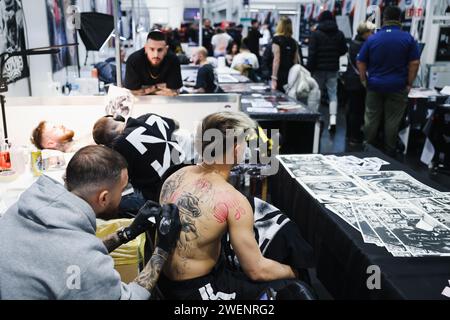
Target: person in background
[147,161]
[220,42]
[266,36]
[193,33]
[356,90]
[235,32]
[48,135]
[232,50]
[172,41]
[285,52]
[253,38]
[153,69]
[208,33]
[107,68]
[388,63]
[326,44]
[206,80]
[245,61]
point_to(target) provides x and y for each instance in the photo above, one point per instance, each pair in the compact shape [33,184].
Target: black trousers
[220,284]
[355,114]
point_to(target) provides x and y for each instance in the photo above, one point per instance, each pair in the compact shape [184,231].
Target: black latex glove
[169,227]
[141,222]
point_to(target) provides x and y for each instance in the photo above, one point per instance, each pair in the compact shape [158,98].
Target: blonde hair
[284,27]
[203,51]
[229,124]
[365,26]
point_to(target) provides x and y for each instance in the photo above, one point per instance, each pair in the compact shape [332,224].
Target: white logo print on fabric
[207,293]
[137,139]
[446,291]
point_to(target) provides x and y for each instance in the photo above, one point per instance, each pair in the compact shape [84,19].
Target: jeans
[327,81]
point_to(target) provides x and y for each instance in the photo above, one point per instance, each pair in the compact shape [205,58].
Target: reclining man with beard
[48,135]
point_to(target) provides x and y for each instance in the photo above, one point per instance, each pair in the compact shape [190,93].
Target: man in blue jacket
[388,63]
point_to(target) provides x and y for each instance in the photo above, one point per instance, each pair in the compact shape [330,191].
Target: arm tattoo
[171,185]
[112,242]
[149,276]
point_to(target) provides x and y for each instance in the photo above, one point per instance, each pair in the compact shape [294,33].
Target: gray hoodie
[48,250]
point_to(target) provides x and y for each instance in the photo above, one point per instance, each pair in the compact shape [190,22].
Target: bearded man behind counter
[153,69]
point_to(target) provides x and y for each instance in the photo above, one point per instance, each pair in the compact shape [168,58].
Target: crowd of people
[373,88]
[375,83]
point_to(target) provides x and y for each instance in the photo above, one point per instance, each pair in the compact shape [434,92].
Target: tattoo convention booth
[348,220]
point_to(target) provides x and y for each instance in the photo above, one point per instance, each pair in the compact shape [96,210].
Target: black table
[416,117]
[299,128]
[342,257]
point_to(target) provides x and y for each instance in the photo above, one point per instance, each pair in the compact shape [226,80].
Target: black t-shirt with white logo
[147,146]
[139,71]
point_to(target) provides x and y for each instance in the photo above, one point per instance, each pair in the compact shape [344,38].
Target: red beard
[68,136]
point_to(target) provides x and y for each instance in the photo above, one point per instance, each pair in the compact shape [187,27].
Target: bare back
[205,201]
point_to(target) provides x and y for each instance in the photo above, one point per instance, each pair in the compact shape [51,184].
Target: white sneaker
[332,125]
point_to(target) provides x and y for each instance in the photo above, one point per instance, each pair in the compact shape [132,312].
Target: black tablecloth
[296,126]
[342,257]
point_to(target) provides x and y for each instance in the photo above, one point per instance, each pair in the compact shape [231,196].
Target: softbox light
[95,29]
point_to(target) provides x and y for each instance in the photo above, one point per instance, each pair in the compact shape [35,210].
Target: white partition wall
[80,113]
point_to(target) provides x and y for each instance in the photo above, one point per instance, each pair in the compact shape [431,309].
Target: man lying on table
[47,239]
[48,135]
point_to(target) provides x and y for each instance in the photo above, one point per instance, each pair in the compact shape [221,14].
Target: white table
[11,190]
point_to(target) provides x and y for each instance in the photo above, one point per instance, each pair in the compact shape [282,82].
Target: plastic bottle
[94,73]
[18,159]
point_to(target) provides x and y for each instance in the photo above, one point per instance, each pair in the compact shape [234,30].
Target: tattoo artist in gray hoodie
[48,246]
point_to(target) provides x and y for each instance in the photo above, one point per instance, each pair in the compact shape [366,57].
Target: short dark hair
[326,16]
[254,21]
[36,135]
[94,166]
[157,35]
[103,132]
[392,13]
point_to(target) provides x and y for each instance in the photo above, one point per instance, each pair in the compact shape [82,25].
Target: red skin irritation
[239,212]
[173,198]
[231,204]
[203,185]
[221,212]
